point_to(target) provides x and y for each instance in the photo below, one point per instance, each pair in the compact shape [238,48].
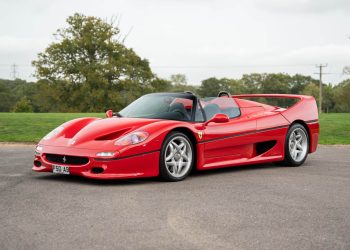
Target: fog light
[105,154]
[37,163]
[97,170]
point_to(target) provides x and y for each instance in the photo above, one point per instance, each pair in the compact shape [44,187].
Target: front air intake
[67,159]
[97,170]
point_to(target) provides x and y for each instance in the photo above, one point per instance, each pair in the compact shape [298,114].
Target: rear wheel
[177,157]
[296,146]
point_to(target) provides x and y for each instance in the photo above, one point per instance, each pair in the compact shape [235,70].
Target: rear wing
[272,96]
[304,109]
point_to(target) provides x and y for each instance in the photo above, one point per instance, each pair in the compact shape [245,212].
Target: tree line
[42,96]
[89,69]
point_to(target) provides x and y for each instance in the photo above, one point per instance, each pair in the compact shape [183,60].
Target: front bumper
[140,165]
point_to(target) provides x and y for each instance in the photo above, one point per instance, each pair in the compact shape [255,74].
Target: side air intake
[262,147]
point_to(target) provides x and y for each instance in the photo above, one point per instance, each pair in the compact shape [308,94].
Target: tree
[160,85]
[252,82]
[6,96]
[11,91]
[212,86]
[275,83]
[47,97]
[91,66]
[237,87]
[23,105]
[179,83]
[328,100]
[342,96]
[178,79]
[298,82]
[312,89]
[346,70]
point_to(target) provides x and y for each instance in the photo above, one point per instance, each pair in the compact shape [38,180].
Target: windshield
[160,106]
[219,105]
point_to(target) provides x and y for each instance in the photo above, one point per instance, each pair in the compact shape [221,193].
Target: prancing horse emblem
[64,159]
[200,135]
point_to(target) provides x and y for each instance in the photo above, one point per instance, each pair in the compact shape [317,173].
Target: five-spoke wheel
[176,157]
[296,145]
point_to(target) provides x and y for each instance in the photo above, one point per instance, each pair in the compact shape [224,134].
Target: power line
[320,66]
[14,73]
[202,66]
[228,66]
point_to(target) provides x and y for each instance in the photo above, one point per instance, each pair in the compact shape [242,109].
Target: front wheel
[177,157]
[296,146]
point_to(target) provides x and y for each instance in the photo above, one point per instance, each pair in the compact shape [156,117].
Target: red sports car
[168,134]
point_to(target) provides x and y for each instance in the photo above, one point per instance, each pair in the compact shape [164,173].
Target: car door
[230,142]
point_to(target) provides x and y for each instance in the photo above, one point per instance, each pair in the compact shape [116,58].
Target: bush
[23,105]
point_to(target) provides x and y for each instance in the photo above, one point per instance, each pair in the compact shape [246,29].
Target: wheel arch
[303,123]
[188,132]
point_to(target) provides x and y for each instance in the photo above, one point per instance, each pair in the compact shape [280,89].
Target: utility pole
[14,71]
[320,66]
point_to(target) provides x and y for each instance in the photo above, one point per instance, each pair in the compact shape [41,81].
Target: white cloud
[11,44]
[336,54]
[199,38]
[309,6]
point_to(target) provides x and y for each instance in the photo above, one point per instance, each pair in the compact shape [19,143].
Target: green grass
[31,127]
[335,128]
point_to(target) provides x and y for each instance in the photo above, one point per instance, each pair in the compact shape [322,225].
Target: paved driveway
[254,207]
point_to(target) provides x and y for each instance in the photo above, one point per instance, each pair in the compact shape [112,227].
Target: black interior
[179,108]
[177,111]
[212,109]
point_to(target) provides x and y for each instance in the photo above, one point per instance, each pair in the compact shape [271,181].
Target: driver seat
[180,108]
[224,94]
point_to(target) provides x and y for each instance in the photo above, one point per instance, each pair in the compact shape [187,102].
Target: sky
[198,38]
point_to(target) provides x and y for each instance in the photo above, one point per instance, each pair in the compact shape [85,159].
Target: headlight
[38,150]
[53,133]
[105,154]
[132,138]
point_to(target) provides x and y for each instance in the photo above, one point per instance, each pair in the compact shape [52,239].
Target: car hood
[96,133]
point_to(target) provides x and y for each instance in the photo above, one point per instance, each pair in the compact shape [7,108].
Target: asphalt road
[254,207]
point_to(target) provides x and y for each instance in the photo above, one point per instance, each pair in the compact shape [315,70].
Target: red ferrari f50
[168,134]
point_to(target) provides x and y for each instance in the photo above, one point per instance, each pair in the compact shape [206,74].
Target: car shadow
[154,180]
[254,167]
[217,171]
[89,181]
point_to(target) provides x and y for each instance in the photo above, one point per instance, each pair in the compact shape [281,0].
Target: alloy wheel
[178,156]
[298,144]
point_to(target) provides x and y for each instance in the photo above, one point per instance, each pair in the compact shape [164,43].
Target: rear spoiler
[305,109]
[290,96]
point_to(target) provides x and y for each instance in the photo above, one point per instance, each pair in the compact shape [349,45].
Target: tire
[296,147]
[176,157]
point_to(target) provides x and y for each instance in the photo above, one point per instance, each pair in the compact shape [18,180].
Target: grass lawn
[335,128]
[31,127]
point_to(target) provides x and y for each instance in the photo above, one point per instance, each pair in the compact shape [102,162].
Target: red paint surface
[222,144]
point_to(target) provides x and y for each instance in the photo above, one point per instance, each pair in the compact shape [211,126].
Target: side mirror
[218,118]
[109,113]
